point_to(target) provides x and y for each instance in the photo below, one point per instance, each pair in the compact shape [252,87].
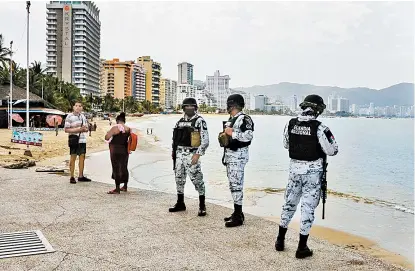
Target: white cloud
[329,43]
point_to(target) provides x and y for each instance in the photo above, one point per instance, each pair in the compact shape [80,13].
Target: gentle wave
[152,139]
[358,199]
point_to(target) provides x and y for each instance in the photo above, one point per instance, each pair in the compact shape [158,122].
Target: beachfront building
[293,103]
[342,104]
[185,91]
[102,82]
[153,75]
[258,102]
[185,72]
[355,109]
[117,78]
[218,85]
[170,92]
[123,79]
[73,44]
[139,82]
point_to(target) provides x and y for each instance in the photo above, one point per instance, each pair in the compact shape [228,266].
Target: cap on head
[189,101]
[315,102]
[235,100]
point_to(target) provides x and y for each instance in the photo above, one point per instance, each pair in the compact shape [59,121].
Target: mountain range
[399,94]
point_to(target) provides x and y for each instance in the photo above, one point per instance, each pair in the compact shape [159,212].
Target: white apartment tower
[139,82]
[170,93]
[218,85]
[185,71]
[73,44]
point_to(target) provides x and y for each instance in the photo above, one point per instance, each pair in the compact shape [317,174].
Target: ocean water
[375,162]
[370,180]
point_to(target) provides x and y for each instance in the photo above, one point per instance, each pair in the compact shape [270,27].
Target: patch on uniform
[247,124]
[329,135]
[204,125]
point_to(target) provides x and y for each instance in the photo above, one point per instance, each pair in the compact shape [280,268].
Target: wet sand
[352,242]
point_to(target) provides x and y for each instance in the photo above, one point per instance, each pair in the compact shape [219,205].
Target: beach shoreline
[90,230]
[340,238]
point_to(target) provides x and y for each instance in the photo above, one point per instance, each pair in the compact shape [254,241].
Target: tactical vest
[235,144]
[182,134]
[303,140]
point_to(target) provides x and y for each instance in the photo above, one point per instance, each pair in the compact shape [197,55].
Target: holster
[223,139]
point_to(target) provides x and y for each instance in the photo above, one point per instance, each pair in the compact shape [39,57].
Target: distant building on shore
[185,72]
[122,79]
[153,76]
[218,85]
[258,102]
[73,44]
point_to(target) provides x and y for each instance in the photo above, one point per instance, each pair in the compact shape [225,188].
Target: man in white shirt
[76,126]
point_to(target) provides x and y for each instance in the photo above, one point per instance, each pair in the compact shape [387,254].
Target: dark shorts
[81,149]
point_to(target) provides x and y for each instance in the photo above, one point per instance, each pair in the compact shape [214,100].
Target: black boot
[226,219]
[303,251]
[179,206]
[279,244]
[236,218]
[202,206]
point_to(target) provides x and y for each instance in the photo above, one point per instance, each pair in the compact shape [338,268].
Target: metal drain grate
[23,243]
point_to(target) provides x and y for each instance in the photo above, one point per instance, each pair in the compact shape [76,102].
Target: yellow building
[163,93]
[153,75]
[117,78]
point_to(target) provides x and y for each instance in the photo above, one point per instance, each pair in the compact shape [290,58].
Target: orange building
[117,78]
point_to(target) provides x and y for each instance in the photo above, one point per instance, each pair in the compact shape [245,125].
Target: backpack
[132,142]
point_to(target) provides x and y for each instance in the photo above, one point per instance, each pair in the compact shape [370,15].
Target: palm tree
[4,52]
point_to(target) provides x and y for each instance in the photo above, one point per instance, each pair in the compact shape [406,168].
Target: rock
[20,164]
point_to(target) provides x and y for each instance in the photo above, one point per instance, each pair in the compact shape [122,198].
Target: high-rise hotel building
[73,44]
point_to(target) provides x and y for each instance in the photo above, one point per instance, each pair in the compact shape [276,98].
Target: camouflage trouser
[307,188]
[235,169]
[235,172]
[183,168]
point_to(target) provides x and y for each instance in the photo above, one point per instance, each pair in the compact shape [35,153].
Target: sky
[331,43]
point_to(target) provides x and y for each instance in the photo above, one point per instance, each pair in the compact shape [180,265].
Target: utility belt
[186,149]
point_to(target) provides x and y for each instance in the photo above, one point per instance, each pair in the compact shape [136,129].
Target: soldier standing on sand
[190,141]
[236,138]
[308,142]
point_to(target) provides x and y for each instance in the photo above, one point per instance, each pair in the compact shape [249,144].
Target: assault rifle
[173,155]
[324,183]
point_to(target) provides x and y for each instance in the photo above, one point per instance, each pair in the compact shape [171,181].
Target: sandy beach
[54,152]
[90,230]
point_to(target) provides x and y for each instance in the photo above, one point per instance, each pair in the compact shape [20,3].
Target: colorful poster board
[27,138]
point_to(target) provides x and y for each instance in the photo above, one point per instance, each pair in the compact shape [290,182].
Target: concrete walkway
[134,231]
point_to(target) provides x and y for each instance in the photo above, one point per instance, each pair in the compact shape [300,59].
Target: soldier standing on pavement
[190,141]
[236,138]
[309,142]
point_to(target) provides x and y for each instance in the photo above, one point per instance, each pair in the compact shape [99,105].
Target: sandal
[115,191]
[123,189]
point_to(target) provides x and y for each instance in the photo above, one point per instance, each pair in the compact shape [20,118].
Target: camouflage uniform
[184,160]
[304,181]
[235,160]
[308,142]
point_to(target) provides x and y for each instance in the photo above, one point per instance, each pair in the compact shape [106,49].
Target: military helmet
[189,101]
[315,102]
[235,100]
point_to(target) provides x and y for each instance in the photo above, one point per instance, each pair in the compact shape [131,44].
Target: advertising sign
[27,138]
[67,44]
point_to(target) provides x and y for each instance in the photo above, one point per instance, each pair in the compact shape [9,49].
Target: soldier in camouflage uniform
[309,142]
[186,154]
[238,134]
